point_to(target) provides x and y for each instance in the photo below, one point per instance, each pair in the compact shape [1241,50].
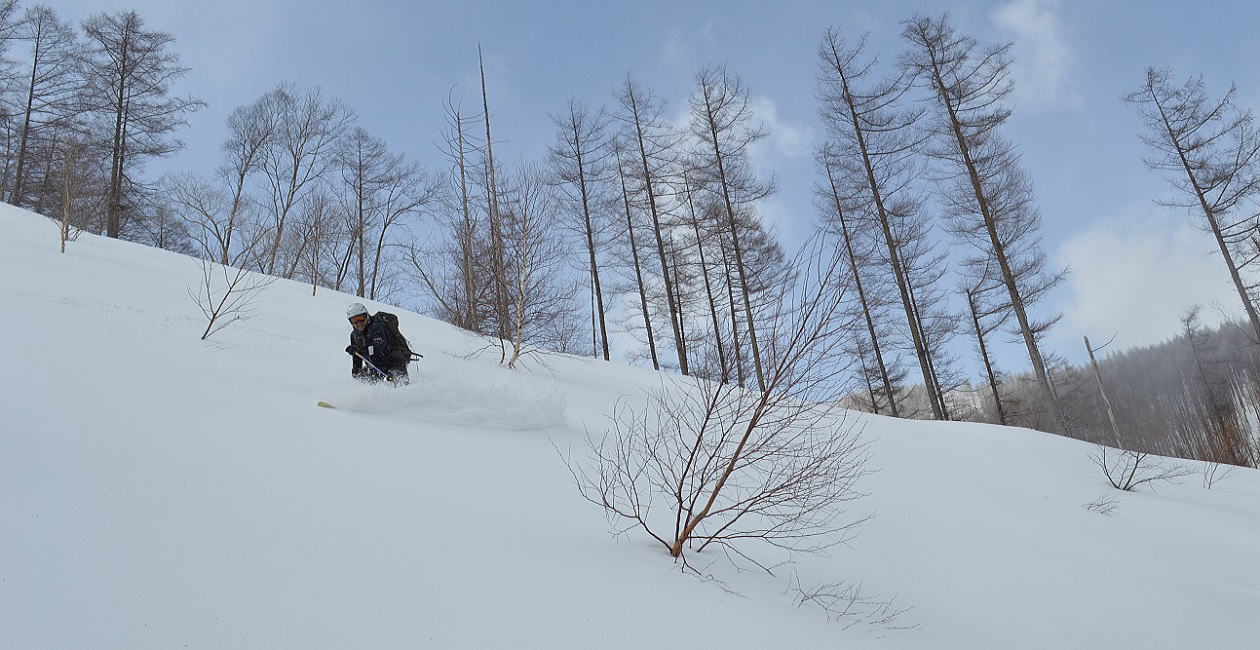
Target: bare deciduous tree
[541,305]
[874,137]
[713,464]
[985,320]
[988,196]
[721,123]
[129,72]
[579,161]
[51,88]
[380,191]
[837,217]
[1212,150]
[497,254]
[651,145]
[299,152]
[633,245]
[72,150]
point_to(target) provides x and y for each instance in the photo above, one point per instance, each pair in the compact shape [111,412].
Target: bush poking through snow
[1213,472]
[847,604]
[226,295]
[1105,504]
[1126,469]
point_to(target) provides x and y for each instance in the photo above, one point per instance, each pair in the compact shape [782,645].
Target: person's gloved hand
[350,350]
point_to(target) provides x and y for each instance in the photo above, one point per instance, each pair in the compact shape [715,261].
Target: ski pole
[371,365]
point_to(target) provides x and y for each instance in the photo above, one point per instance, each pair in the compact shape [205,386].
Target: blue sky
[1136,265]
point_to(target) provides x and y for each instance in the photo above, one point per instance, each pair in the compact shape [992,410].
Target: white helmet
[355,309]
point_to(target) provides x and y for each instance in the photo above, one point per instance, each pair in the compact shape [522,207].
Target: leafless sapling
[709,464]
[226,294]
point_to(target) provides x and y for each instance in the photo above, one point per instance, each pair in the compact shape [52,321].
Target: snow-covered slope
[158,491]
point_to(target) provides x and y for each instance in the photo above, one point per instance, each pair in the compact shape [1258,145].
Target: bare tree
[51,86]
[985,320]
[652,143]
[298,154]
[72,148]
[1211,149]
[1102,390]
[876,140]
[129,72]
[381,189]
[579,160]
[712,464]
[226,295]
[498,261]
[988,195]
[837,217]
[318,224]
[10,119]
[460,297]
[621,163]
[703,236]
[541,303]
[721,123]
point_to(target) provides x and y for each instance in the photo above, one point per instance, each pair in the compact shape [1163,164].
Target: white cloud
[683,47]
[1044,61]
[1136,276]
[786,139]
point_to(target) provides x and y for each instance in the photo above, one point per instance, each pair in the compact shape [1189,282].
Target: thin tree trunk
[984,354]
[638,273]
[113,207]
[1115,428]
[739,254]
[590,241]
[708,288]
[16,196]
[866,309]
[660,244]
[492,195]
[730,295]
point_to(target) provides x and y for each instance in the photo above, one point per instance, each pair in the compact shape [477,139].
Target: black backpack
[391,324]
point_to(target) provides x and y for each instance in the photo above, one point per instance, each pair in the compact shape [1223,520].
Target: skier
[376,341]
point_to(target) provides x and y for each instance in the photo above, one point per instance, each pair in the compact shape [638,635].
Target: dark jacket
[380,346]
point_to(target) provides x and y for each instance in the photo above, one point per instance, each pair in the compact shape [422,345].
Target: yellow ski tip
[325,405]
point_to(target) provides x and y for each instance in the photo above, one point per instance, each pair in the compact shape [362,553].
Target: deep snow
[158,491]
